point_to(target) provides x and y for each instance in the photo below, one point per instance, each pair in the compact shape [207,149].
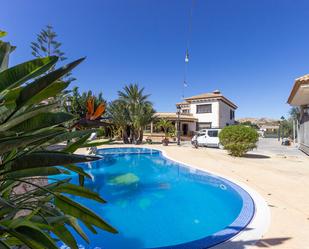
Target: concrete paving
[273,146]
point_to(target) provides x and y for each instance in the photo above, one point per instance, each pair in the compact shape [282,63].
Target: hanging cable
[189,31]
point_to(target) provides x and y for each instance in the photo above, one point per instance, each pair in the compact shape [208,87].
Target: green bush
[238,139]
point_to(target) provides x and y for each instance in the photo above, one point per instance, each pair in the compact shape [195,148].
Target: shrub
[238,139]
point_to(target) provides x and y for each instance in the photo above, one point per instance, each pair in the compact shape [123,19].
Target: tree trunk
[131,134]
[141,135]
[125,136]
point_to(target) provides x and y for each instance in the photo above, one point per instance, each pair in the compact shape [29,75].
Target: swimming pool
[155,202]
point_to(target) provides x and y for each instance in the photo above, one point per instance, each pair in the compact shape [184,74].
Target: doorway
[185,129]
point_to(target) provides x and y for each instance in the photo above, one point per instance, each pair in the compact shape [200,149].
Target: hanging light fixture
[187,56]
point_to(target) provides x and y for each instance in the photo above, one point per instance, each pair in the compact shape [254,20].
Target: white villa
[299,97]
[207,110]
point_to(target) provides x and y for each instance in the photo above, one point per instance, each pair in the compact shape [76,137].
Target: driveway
[271,146]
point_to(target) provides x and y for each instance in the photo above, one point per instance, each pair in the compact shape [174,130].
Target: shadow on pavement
[256,156]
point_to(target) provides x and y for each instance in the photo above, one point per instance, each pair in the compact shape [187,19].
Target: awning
[300,93]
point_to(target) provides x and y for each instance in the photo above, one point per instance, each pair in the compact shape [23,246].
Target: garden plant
[238,139]
[34,212]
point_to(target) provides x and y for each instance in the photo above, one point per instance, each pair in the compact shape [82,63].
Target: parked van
[207,137]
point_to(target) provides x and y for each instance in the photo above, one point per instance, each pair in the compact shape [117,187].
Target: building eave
[211,96]
[174,117]
[299,94]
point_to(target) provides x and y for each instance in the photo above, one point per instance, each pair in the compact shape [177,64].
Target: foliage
[238,139]
[47,45]
[41,214]
[5,49]
[131,112]
[294,113]
[78,102]
[286,127]
[250,124]
[166,126]
[119,115]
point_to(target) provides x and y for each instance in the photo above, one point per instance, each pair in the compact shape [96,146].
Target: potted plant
[167,127]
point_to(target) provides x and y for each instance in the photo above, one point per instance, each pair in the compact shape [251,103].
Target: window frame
[232,114]
[211,131]
[203,105]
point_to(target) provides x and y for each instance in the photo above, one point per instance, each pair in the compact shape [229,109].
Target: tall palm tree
[138,111]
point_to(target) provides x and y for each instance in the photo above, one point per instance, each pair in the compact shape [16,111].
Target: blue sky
[251,50]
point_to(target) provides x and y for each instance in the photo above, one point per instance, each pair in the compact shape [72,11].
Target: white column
[294,131]
[151,128]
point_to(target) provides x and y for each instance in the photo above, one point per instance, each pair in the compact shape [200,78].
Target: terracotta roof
[183,103]
[173,116]
[304,80]
[214,95]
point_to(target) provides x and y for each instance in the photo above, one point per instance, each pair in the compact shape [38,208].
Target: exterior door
[203,125]
[185,129]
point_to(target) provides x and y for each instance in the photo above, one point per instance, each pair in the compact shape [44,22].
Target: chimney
[216,92]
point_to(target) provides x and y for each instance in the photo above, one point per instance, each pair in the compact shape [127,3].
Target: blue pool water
[154,202]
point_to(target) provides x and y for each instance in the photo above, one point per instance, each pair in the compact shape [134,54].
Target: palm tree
[137,112]
[145,115]
[167,127]
[120,117]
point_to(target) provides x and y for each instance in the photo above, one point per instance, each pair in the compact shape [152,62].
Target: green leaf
[8,102]
[51,91]
[4,245]
[74,209]
[28,232]
[40,121]
[81,180]
[42,83]
[68,136]
[90,227]
[79,191]
[5,49]
[8,144]
[74,223]
[33,237]
[48,159]
[74,146]
[64,234]
[16,120]
[34,172]
[19,74]
[76,169]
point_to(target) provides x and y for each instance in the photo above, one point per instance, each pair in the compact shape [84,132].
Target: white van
[207,137]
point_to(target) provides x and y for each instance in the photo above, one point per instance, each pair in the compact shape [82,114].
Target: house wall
[225,115]
[304,133]
[192,127]
[212,117]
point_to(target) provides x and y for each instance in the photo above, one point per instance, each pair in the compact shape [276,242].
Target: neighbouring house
[299,97]
[269,130]
[207,110]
